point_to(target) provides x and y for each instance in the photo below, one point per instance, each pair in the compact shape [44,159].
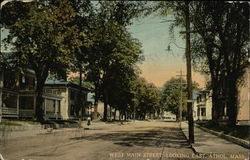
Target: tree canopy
[43,38]
[173,93]
[220,47]
[219,33]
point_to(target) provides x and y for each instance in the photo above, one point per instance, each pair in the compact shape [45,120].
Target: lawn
[239,131]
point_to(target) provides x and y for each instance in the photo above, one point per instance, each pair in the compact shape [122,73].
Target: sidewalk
[206,143]
[11,132]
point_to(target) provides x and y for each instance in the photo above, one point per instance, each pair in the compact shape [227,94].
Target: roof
[52,81]
[196,93]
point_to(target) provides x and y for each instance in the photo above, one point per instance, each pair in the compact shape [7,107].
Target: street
[142,140]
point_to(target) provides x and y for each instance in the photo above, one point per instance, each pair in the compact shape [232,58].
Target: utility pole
[180,107]
[189,71]
[189,74]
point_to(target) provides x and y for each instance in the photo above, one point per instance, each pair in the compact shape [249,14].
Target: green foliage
[220,34]
[43,38]
[44,35]
[171,95]
[221,50]
[85,84]
[91,39]
[146,99]
[112,57]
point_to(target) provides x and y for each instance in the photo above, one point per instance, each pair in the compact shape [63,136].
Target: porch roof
[52,81]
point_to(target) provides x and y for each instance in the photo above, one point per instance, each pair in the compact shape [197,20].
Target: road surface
[142,140]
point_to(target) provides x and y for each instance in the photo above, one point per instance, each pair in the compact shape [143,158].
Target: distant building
[168,116]
[202,105]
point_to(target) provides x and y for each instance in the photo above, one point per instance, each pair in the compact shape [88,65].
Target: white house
[202,105]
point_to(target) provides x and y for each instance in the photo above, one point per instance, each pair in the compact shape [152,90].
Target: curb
[191,146]
[232,139]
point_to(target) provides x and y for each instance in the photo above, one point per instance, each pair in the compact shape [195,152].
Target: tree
[85,84]
[146,99]
[43,38]
[219,37]
[114,49]
[221,45]
[171,95]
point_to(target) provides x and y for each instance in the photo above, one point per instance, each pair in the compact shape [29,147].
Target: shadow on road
[158,137]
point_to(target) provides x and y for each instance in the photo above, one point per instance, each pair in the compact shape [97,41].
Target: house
[69,94]
[202,105]
[17,93]
[243,116]
[168,116]
[18,96]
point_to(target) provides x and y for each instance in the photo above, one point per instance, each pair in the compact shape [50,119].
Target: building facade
[202,105]
[244,100]
[18,96]
[17,93]
[72,97]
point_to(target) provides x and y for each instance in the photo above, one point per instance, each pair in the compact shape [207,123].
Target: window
[203,111]
[198,99]
[9,100]
[72,110]
[50,105]
[26,102]
[48,91]
[55,91]
[58,106]
[10,80]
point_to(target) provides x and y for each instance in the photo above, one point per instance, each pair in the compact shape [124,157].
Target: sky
[160,65]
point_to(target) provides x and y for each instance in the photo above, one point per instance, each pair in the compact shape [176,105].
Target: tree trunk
[105,111]
[39,115]
[232,104]
[110,113]
[115,114]
[41,78]
[125,116]
[120,114]
[215,104]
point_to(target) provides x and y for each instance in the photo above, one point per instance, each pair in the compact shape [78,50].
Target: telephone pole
[181,99]
[189,74]
[189,71]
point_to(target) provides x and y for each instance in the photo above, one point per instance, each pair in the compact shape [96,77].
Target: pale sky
[160,65]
